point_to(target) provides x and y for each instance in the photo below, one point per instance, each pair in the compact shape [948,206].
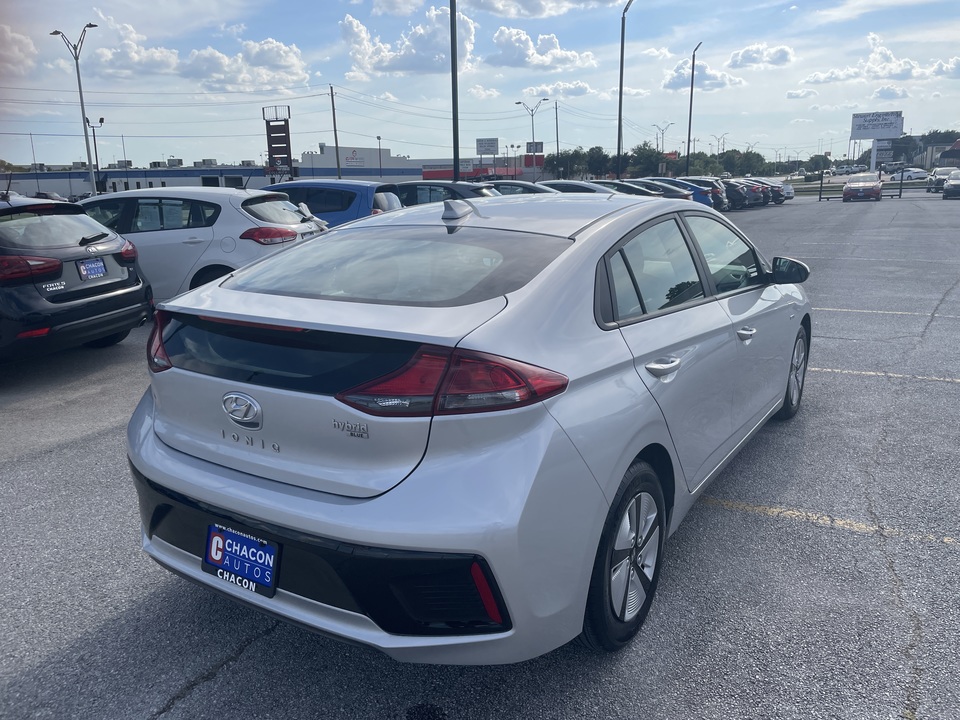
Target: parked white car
[188,236]
[909,174]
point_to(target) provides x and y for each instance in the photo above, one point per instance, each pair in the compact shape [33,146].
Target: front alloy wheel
[795,380]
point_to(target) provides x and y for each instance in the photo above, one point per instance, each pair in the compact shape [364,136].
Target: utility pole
[336,139]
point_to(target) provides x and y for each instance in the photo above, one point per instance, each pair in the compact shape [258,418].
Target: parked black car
[737,195]
[776,190]
[669,191]
[65,280]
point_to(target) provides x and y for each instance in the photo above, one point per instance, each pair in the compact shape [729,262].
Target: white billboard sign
[488,146]
[534,147]
[876,125]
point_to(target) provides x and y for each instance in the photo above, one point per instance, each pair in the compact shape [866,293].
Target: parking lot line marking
[888,312]
[894,376]
[823,520]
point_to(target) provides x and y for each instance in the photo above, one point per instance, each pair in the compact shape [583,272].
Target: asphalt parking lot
[818,576]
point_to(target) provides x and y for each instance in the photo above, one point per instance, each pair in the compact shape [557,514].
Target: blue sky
[188,79]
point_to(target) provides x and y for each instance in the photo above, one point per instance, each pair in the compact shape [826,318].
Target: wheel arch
[208,273]
[657,456]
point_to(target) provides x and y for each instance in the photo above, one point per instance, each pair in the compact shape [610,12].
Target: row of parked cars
[86,273]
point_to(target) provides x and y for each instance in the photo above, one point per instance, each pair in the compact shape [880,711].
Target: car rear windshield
[48,226]
[416,266]
[274,209]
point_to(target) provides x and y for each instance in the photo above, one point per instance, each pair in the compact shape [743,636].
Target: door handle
[193,241]
[663,366]
[746,333]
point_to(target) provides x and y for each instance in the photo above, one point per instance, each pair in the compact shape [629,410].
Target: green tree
[644,160]
[598,162]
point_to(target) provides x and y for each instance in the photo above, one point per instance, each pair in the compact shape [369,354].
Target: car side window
[106,213]
[155,214]
[731,262]
[655,266]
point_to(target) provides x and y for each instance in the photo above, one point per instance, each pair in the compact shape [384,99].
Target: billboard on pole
[488,146]
[876,125]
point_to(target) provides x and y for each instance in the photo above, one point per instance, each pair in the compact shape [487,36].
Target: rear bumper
[394,572]
[70,327]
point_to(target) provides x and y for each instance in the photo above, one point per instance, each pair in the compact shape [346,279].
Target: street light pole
[533,135]
[693,70]
[380,155]
[96,154]
[662,146]
[75,53]
[623,32]
[720,143]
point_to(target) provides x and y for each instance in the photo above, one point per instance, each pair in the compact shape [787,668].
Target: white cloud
[577,88]
[17,53]
[705,78]
[800,121]
[801,94]
[760,54]
[852,9]
[882,64]
[425,48]
[662,53]
[535,8]
[482,93]
[890,92]
[516,49]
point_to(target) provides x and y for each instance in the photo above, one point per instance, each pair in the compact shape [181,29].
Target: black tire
[627,566]
[107,340]
[796,376]
[779,202]
[208,275]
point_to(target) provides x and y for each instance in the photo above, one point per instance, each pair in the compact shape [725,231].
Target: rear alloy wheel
[107,340]
[627,566]
[795,380]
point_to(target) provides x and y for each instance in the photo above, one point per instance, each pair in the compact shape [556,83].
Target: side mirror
[786,271]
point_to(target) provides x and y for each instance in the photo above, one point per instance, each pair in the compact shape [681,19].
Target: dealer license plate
[91,269]
[242,559]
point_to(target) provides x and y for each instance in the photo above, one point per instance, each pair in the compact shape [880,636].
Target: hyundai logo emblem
[93,249]
[243,410]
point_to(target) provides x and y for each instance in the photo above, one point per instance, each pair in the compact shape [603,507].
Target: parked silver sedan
[462,432]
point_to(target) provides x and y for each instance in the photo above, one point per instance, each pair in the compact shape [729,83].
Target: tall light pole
[693,70]
[454,92]
[75,53]
[662,146]
[380,155]
[623,32]
[720,143]
[533,134]
[96,154]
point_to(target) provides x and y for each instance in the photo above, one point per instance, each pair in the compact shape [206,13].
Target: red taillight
[438,381]
[376,211]
[157,359]
[39,332]
[17,268]
[269,235]
[129,251]
[715,191]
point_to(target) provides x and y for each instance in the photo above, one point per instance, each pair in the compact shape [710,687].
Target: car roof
[562,214]
[15,201]
[329,182]
[197,191]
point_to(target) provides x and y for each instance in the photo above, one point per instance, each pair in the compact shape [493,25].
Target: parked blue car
[700,194]
[339,201]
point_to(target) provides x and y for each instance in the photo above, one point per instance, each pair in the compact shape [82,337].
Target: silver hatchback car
[462,432]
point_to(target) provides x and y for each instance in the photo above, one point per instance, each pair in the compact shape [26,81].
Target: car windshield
[418,266]
[385,201]
[955,175]
[864,178]
[33,228]
[273,209]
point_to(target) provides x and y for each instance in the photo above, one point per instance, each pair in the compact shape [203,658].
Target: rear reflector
[39,332]
[486,594]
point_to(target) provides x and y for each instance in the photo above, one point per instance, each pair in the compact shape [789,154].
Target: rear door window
[274,209]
